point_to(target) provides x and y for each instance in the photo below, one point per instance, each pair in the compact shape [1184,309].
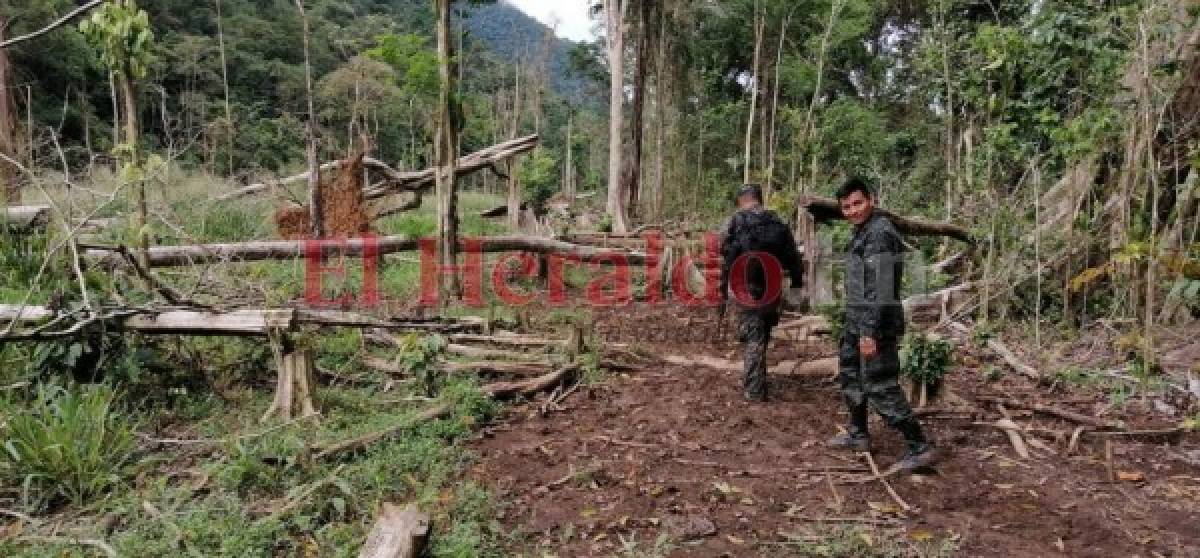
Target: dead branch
[1054,411]
[886,485]
[500,367]
[55,25]
[505,390]
[1005,354]
[361,442]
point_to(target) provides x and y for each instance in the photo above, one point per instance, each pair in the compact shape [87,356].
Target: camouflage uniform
[874,271]
[755,323]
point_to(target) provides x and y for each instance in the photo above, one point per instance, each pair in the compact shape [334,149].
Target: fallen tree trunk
[935,307]
[202,254]
[394,181]
[500,367]
[825,210]
[22,219]
[249,323]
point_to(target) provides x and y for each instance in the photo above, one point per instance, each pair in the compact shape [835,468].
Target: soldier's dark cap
[751,190]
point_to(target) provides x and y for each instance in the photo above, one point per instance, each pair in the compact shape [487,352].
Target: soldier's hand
[868,348]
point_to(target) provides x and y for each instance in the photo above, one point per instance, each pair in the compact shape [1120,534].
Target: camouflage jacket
[874,274]
[785,252]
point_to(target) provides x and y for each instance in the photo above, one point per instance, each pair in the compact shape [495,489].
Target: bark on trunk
[445,154]
[614,11]
[10,185]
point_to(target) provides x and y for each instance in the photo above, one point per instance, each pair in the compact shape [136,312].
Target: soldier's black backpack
[758,231]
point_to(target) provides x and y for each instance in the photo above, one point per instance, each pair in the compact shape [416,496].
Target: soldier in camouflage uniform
[755,229]
[869,359]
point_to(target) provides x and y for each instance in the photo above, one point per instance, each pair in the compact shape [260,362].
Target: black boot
[856,437]
[921,454]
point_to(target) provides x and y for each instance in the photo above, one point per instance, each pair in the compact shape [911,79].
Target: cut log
[240,322]
[1013,432]
[334,318]
[203,254]
[482,353]
[23,219]
[23,314]
[500,367]
[506,390]
[825,210]
[398,533]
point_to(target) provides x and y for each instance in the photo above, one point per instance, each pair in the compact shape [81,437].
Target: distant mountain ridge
[512,34]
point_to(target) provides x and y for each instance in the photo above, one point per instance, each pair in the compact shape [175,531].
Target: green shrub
[925,358]
[70,443]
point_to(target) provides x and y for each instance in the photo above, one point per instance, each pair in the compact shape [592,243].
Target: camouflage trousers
[874,382]
[754,331]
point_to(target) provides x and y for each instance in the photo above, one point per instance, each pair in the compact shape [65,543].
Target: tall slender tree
[614,15]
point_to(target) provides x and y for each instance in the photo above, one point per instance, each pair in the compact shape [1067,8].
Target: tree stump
[294,387]
[398,533]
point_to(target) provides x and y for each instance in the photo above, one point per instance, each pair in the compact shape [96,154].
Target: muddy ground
[675,450]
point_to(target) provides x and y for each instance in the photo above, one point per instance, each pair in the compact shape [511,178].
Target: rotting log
[825,210]
[398,533]
[202,254]
[23,219]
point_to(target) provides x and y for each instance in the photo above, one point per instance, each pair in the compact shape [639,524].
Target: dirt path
[676,451]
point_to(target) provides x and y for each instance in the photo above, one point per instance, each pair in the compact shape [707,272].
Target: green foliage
[538,174]
[418,355]
[412,58]
[68,443]
[925,358]
[836,315]
[121,32]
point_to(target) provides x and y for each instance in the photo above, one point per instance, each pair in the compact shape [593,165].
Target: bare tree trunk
[8,129]
[759,24]
[129,96]
[514,182]
[445,152]
[316,205]
[770,148]
[633,176]
[229,128]
[569,164]
[614,11]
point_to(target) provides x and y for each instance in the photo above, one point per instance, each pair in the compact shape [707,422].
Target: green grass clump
[69,443]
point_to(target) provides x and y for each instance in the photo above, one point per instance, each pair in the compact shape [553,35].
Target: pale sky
[571,15]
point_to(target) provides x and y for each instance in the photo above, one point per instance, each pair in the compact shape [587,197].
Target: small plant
[925,359]
[836,315]
[70,443]
[418,356]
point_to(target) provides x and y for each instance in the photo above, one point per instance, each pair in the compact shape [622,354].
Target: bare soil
[677,450]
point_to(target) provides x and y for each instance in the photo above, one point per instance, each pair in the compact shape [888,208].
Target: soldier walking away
[869,360]
[756,248]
